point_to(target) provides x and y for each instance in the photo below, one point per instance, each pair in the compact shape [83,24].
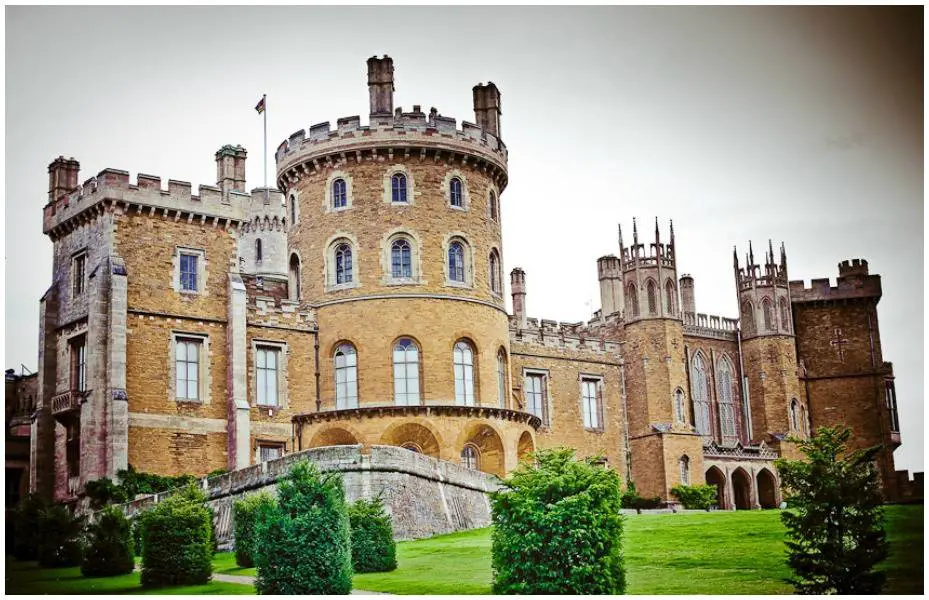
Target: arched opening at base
[489,448]
[334,436]
[767,489]
[525,446]
[741,488]
[715,477]
[412,436]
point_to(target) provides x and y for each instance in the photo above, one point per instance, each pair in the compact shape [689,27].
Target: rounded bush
[699,497]
[59,537]
[245,513]
[177,541]
[108,550]
[373,546]
[303,544]
[557,528]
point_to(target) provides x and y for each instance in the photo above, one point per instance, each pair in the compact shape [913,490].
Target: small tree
[108,550]
[59,537]
[557,528]
[695,497]
[26,527]
[245,513]
[373,546]
[177,545]
[834,520]
[103,491]
[303,544]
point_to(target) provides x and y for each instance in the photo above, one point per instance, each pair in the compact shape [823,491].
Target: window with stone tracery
[699,393]
[652,294]
[726,406]
[679,412]
[669,294]
[632,300]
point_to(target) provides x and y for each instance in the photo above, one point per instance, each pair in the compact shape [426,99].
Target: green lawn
[692,553]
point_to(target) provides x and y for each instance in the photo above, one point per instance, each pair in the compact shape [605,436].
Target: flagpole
[264,102]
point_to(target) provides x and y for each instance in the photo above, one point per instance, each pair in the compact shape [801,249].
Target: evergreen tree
[834,520]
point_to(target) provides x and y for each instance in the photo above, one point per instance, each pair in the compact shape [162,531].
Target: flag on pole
[260,107]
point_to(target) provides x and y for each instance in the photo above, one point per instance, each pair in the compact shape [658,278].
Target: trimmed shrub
[699,497]
[108,550]
[373,546]
[632,499]
[177,545]
[26,527]
[135,530]
[303,544]
[103,491]
[59,537]
[557,528]
[244,514]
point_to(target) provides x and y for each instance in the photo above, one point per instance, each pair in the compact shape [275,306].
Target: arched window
[726,407]
[494,272]
[406,372]
[652,298]
[293,209]
[632,299]
[464,373]
[700,396]
[794,417]
[493,206]
[670,304]
[398,188]
[748,318]
[293,277]
[339,197]
[401,262]
[258,250]
[501,377]
[346,377]
[685,470]
[768,315]
[343,264]
[785,314]
[679,406]
[454,192]
[470,457]
[456,268]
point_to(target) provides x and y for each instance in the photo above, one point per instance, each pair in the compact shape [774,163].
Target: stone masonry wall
[423,495]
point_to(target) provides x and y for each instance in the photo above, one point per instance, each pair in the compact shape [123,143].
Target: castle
[361,301]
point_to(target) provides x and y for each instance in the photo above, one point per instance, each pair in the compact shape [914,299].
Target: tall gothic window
[652,297]
[464,373]
[339,197]
[890,394]
[401,262]
[785,314]
[343,263]
[454,192]
[501,377]
[685,470]
[494,272]
[700,396]
[398,188]
[768,315]
[346,377]
[456,270]
[794,416]
[632,299]
[726,407]
[669,297]
[493,206]
[406,372]
[679,405]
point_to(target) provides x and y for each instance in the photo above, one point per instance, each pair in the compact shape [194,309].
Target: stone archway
[767,489]
[525,446]
[742,489]
[715,477]
[412,435]
[489,446]
[333,436]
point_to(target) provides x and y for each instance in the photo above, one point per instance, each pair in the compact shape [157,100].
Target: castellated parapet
[552,334]
[853,282]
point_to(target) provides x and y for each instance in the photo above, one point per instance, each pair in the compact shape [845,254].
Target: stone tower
[656,368]
[777,407]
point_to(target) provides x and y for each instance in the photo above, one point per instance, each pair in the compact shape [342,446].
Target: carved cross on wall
[839,344]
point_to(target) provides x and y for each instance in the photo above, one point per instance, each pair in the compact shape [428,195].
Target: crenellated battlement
[146,194]
[394,137]
[770,274]
[846,288]
[646,255]
[552,334]
[702,325]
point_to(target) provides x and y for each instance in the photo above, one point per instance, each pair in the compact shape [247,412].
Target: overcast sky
[799,124]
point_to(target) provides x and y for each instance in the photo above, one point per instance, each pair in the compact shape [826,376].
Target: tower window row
[652,296]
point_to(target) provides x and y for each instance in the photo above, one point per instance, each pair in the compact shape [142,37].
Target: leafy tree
[245,514]
[557,528]
[373,546]
[59,537]
[103,492]
[698,497]
[834,520]
[177,540]
[303,544]
[108,550]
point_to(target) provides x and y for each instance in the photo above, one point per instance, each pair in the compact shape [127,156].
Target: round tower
[768,347]
[263,240]
[396,240]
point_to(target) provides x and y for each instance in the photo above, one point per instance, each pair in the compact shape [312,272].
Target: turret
[688,303]
[381,85]
[764,297]
[649,277]
[518,288]
[62,177]
[230,169]
[487,107]
[611,285]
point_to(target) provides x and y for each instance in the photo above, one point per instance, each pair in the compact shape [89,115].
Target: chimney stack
[381,85]
[230,169]
[611,285]
[518,289]
[688,304]
[62,177]
[487,107]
